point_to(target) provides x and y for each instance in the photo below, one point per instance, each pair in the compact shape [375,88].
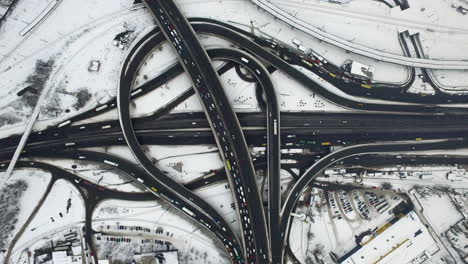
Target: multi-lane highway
[260,73]
[219,226]
[297,130]
[224,123]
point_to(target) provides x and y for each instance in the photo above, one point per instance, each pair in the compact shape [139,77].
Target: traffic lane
[198,120]
[414,159]
[282,65]
[292,137]
[223,122]
[126,77]
[261,74]
[109,105]
[123,98]
[142,178]
[361,133]
[193,120]
[238,174]
[179,52]
[386,91]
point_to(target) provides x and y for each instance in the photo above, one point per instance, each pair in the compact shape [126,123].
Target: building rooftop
[406,241]
[361,70]
[61,257]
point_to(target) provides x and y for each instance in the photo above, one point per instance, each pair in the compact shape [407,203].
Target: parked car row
[361,205]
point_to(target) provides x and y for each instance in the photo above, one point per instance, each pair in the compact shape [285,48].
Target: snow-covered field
[193,243]
[330,227]
[440,213]
[69,47]
[435,204]
[187,164]
[25,189]
[97,173]
[62,209]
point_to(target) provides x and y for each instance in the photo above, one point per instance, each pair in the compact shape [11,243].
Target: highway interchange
[263,239]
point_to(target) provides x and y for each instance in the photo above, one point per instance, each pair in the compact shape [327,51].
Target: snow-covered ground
[187,164]
[228,11]
[97,173]
[331,226]
[25,189]
[442,30]
[69,47]
[440,214]
[435,204]
[62,209]
[220,197]
[193,243]
[402,178]
[4,5]
[452,78]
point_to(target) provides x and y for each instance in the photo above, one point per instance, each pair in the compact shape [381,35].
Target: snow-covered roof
[61,257]
[57,255]
[362,70]
[406,240]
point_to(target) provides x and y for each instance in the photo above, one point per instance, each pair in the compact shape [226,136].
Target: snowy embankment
[18,200]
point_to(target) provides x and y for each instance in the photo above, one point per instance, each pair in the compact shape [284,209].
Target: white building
[361,71]
[406,241]
[61,257]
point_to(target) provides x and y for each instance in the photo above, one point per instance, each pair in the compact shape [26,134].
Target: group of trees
[10,197]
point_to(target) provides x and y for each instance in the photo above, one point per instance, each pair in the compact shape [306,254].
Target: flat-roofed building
[361,71]
[405,241]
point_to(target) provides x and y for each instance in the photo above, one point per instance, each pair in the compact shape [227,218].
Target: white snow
[97,173]
[54,205]
[219,196]
[191,241]
[37,182]
[397,244]
[86,36]
[328,227]
[192,166]
[437,204]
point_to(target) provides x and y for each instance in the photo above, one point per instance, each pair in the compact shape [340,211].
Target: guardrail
[358,48]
